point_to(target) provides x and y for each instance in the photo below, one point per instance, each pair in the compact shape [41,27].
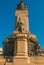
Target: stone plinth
[21,60]
[22,45]
[21,57]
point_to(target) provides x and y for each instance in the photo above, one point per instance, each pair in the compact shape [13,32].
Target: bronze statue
[20,26]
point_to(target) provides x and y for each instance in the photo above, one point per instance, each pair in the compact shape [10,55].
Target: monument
[16,45]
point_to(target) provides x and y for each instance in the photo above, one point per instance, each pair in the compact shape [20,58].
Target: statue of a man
[20,26]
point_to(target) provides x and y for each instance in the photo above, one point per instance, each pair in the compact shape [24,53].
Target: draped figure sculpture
[20,26]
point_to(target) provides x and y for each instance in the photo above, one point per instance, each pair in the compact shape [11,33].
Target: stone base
[21,60]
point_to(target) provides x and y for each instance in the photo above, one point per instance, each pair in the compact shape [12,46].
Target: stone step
[9,63]
[37,60]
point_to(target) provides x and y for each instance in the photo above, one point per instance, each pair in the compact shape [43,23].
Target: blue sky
[36,18]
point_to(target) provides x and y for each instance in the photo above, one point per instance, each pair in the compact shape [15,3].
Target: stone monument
[18,41]
[21,31]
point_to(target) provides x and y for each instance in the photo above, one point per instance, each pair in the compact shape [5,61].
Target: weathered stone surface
[16,45]
[21,60]
[34,60]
